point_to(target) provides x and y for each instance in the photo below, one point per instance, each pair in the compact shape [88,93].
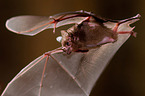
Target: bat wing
[73,75]
[31,25]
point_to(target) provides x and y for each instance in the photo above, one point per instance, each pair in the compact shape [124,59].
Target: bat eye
[67,43]
[59,38]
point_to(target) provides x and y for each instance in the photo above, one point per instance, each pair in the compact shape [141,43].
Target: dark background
[125,75]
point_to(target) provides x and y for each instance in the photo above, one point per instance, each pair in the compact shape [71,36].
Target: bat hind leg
[124,32]
[128,32]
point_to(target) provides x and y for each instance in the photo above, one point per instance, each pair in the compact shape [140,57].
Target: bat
[89,32]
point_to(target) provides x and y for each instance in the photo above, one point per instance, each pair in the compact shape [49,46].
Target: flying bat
[89,32]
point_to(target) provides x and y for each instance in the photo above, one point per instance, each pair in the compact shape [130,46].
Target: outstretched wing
[72,75]
[31,25]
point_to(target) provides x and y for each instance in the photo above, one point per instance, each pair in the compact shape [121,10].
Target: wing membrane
[31,25]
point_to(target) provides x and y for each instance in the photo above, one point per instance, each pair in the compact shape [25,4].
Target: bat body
[85,36]
[89,32]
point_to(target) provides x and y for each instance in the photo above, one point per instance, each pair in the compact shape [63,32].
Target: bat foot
[129,32]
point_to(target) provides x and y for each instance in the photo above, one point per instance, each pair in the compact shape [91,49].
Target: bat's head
[64,39]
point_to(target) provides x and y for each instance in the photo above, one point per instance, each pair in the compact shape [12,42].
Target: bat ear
[64,35]
[59,39]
